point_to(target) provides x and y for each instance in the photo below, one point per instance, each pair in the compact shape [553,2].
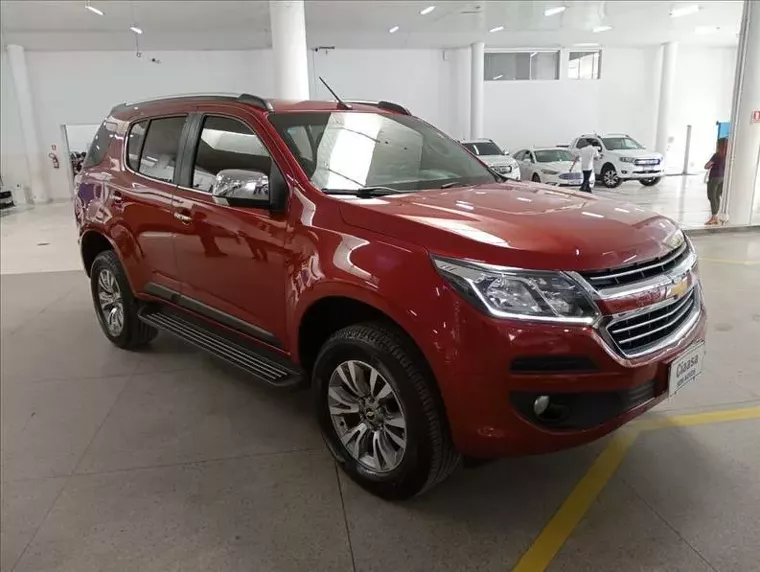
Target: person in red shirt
[717,167]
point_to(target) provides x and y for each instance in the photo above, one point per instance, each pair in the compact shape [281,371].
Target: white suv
[493,156]
[621,159]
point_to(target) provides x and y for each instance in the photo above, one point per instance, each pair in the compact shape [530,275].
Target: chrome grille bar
[659,264]
[678,305]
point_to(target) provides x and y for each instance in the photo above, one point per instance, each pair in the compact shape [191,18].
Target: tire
[650,182]
[428,456]
[535,178]
[107,277]
[610,177]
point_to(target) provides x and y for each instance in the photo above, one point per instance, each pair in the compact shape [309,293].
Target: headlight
[549,172]
[627,159]
[520,294]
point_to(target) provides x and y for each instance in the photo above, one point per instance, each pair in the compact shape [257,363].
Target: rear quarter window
[100,143]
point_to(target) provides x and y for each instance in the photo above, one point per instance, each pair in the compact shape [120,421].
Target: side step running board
[229,347]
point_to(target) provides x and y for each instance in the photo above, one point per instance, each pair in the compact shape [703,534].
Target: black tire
[535,178]
[610,178]
[134,333]
[430,456]
[650,182]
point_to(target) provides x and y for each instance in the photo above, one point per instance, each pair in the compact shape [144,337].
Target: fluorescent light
[684,11]
[393,30]
[501,75]
[427,10]
[706,29]
[603,28]
[496,29]
[94,10]
[135,29]
[555,10]
[587,45]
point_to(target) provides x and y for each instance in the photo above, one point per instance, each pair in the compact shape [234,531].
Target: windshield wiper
[365,191]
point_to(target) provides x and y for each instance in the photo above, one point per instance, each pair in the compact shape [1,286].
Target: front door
[230,259]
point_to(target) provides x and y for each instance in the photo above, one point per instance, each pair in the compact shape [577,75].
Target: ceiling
[222,24]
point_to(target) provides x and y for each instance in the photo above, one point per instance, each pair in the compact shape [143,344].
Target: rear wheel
[650,182]
[610,178]
[536,178]
[380,413]
[115,304]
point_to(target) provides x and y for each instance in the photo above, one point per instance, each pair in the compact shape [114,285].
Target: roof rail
[256,101]
[387,105]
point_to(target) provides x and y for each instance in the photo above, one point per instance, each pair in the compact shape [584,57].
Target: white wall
[13,162]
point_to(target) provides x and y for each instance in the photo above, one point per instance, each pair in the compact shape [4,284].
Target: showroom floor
[169,460]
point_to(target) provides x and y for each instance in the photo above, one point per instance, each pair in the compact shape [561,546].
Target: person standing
[587,155]
[717,167]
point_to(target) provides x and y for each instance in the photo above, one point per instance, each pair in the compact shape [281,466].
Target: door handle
[183,218]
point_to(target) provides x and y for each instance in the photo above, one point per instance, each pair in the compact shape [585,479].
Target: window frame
[597,52]
[557,68]
[180,146]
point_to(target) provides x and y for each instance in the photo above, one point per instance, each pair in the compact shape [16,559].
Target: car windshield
[617,143]
[354,150]
[483,148]
[551,155]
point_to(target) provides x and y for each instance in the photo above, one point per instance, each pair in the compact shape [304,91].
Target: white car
[493,156]
[550,165]
[622,158]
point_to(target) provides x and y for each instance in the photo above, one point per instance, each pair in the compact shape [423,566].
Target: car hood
[517,224]
[561,166]
[497,160]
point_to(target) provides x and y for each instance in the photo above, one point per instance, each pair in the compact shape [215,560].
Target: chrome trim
[679,305]
[672,256]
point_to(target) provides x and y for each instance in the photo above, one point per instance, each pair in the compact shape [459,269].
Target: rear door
[230,259]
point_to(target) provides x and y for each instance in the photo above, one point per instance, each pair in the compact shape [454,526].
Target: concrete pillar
[667,84]
[459,87]
[741,184]
[291,68]
[477,84]
[17,61]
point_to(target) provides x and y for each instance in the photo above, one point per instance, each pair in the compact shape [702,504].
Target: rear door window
[159,154]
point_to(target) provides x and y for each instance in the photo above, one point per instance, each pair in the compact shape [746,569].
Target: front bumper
[628,172]
[489,384]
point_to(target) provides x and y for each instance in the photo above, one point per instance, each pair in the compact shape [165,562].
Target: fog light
[540,405]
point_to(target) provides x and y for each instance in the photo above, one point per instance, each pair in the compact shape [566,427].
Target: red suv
[435,310]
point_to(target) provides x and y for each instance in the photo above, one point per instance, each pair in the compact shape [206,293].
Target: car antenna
[341,104]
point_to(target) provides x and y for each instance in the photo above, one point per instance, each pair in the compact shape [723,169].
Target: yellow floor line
[561,526]
[563,523]
[725,261]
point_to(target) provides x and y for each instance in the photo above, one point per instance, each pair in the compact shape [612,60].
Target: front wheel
[650,182]
[380,412]
[610,178]
[536,178]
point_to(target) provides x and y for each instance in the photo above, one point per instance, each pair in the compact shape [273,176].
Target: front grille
[647,162]
[639,333]
[570,176]
[636,272]
[503,169]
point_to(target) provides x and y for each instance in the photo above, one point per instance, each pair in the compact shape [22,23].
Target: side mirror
[241,188]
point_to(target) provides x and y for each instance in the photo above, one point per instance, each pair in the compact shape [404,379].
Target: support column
[744,145]
[17,61]
[667,84]
[477,83]
[291,68]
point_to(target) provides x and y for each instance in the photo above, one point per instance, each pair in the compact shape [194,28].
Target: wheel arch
[92,243]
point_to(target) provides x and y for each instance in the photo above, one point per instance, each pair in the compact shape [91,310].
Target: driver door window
[227,144]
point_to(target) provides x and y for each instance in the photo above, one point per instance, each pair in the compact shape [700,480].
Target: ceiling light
[93,9]
[684,11]
[555,10]
[706,29]
[393,30]
[136,30]
[587,45]
[496,29]
[603,28]
[427,10]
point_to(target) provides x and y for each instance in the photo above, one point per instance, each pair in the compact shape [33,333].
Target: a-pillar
[667,85]
[291,69]
[17,61]
[744,145]
[477,83]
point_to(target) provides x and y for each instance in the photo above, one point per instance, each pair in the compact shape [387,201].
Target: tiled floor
[167,460]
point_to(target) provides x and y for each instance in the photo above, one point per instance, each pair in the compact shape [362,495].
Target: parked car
[550,165]
[434,310]
[493,156]
[622,158]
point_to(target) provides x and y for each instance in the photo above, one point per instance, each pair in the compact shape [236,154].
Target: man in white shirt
[587,154]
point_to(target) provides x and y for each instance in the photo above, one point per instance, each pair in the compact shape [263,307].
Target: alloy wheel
[367,416]
[111,303]
[610,178]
